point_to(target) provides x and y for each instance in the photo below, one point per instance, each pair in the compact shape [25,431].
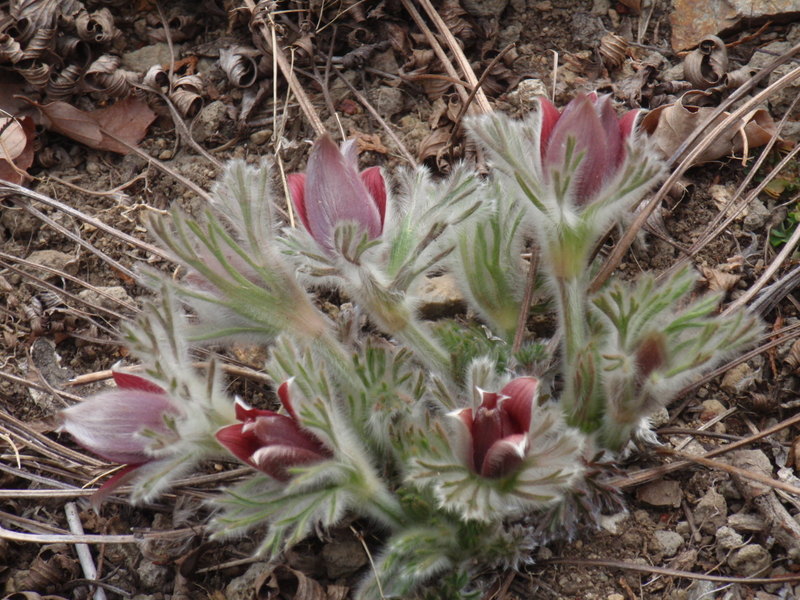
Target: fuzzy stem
[415,335]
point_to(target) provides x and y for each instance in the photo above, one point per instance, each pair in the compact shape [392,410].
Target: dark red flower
[497,432]
[271,442]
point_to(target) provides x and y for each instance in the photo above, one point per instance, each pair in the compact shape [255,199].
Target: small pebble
[750,560]
[165,155]
[711,512]
[261,136]
[670,542]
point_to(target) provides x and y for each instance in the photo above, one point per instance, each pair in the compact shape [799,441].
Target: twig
[94,538]
[82,550]
[530,282]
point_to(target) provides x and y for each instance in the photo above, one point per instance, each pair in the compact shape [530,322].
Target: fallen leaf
[719,281]
[370,142]
[111,128]
[284,582]
[670,125]
[16,147]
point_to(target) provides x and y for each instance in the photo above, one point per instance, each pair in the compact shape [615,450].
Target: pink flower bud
[497,432]
[111,423]
[592,123]
[332,191]
[271,442]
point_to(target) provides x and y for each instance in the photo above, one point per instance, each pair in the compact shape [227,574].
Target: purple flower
[271,442]
[332,191]
[111,423]
[494,439]
[598,133]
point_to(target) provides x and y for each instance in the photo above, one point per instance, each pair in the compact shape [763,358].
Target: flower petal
[373,179]
[244,412]
[550,116]
[335,193]
[129,381]
[296,182]
[518,405]
[282,430]
[239,443]
[461,442]
[110,423]
[285,398]
[276,460]
[504,456]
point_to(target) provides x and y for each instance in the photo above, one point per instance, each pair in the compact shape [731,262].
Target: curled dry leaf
[239,65]
[105,76]
[31,596]
[41,44]
[285,582]
[793,357]
[34,72]
[113,128]
[705,66]
[670,125]
[65,82]
[613,50]
[10,50]
[157,78]
[16,147]
[96,27]
[181,27]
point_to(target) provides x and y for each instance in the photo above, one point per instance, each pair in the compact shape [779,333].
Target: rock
[209,121]
[615,597]
[670,542]
[484,8]
[711,409]
[692,20]
[145,57]
[387,101]
[749,560]
[711,512]
[440,296]
[757,214]
[611,523]
[343,558]
[61,261]
[152,576]
[100,295]
[659,418]
[664,492]
[262,136]
[526,93]
[747,522]
[728,539]
[20,223]
[738,379]
[243,587]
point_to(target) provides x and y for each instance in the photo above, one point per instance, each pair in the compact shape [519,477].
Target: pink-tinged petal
[110,423]
[521,397]
[286,399]
[279,430]
[296,182]
[580,122]
[335,193]
[627,123]
[129,381]
[119,478]
[615,143]
[373,179]
[244,412]
[504,456]
[276,461]
[487,429]
[550,116]
[238,443]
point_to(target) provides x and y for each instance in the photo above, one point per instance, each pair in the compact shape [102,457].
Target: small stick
[530,282]
[82,550]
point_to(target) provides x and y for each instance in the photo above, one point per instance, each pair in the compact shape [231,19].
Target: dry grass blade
[618,564]
[68,538]
[630,234]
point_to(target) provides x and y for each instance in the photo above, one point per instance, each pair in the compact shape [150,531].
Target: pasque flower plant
[445,436]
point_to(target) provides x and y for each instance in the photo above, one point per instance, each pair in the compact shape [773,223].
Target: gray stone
[670,542]
[343,558]
[757,215]
[780,99]
[711,512]
[664,492]
[107,296]
[209,121]
[749,560]
[145,57]
[61,261]
[728,539]
[747,522]
[387,101]
[243,587]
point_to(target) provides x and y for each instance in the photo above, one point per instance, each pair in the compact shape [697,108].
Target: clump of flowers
[448,437]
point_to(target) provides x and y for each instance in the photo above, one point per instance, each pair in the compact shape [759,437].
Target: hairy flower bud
[111,424]
[592,125]
[332,191]
[271,442]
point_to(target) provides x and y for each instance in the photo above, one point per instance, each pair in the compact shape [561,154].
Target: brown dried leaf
[127,120]
[613,50]
[670,125]
[718,280]
[434,144]
[793,358]
[370,142]
[16,148]
[285,582]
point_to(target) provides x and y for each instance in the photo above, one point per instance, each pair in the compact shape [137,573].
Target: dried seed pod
[613,50]
[96,27]
[156,78]
[105,76]
[42,42]
[705,66]
[738,77]
[52,568]
[181,27]
[35,73]
[187,102]
[74,50]
[10,50]
[65,82]
[239,65]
